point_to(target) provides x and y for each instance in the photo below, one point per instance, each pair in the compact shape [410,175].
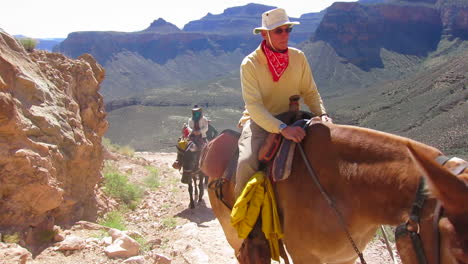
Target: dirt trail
[166,225]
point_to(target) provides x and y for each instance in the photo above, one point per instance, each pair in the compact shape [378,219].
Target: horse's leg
[190,189]
[205,182]
[201,183]
[195,185]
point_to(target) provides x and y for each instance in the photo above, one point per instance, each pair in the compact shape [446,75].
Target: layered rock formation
[161,26]
[243,19]
[52,119]
[454,16]
[359,32]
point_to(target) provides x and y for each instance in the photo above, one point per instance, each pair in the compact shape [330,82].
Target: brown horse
[372,179]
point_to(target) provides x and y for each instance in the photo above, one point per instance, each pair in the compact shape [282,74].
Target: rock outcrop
[241,20]
[161,26]
[454,16]
[358,32]
[52,120]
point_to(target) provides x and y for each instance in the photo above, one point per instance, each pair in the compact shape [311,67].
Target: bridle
[412,226]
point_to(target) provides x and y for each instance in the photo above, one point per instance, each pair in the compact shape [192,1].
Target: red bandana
[277,61]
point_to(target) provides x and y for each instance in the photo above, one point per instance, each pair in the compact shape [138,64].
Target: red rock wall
[52,120]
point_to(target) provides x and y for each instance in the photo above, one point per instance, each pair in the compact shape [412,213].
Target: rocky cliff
[358,32]
[161,26]
[243,19]
[52,119]
[454,16]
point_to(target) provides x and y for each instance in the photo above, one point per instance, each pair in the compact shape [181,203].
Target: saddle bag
[182,144]
[216,155]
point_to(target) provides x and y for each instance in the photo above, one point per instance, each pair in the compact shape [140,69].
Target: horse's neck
[366,169]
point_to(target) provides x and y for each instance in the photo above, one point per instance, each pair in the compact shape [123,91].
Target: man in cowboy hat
[198,126]
[195,132]
[269,76]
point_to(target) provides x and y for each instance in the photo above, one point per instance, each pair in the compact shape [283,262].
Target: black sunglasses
[280,30]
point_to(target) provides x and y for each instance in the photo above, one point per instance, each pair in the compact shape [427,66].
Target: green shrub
[117,185]
[124,150]
[169,223]
[152,180]
[113,219]
[11,238]
[108,144]
[144,245]
[46,236]
[109,168]
[127,151]
[390,231]
[29,44]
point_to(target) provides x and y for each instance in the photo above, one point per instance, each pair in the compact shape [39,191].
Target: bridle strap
[217,187]
[418,203]
[414,218]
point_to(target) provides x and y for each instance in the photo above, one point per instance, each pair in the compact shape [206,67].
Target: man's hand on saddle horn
[293,133]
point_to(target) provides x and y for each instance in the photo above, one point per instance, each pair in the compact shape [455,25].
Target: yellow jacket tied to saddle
[258,196]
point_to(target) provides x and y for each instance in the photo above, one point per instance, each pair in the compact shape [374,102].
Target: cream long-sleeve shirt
[265,98]
[203,123]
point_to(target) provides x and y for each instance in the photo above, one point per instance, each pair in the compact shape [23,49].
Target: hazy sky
[57,18]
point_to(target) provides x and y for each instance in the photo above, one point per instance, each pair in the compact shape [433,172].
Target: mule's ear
[449,189]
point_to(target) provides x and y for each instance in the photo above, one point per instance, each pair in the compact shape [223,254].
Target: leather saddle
[219,157]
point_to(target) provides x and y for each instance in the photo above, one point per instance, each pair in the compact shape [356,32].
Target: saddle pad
[217,153]
[281,165]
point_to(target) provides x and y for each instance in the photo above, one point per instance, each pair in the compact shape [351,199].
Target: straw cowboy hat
[274,18]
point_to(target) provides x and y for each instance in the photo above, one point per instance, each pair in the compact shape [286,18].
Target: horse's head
[452,191]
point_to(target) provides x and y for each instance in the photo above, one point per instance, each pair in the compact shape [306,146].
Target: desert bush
[152,180]
[117,185]
[169,223]
[113,219]
[389,230]
[144,245]
[29,44]
[124,150]
[46,236]
[11,238]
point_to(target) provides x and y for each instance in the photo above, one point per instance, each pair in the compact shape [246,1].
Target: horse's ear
[447,187]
